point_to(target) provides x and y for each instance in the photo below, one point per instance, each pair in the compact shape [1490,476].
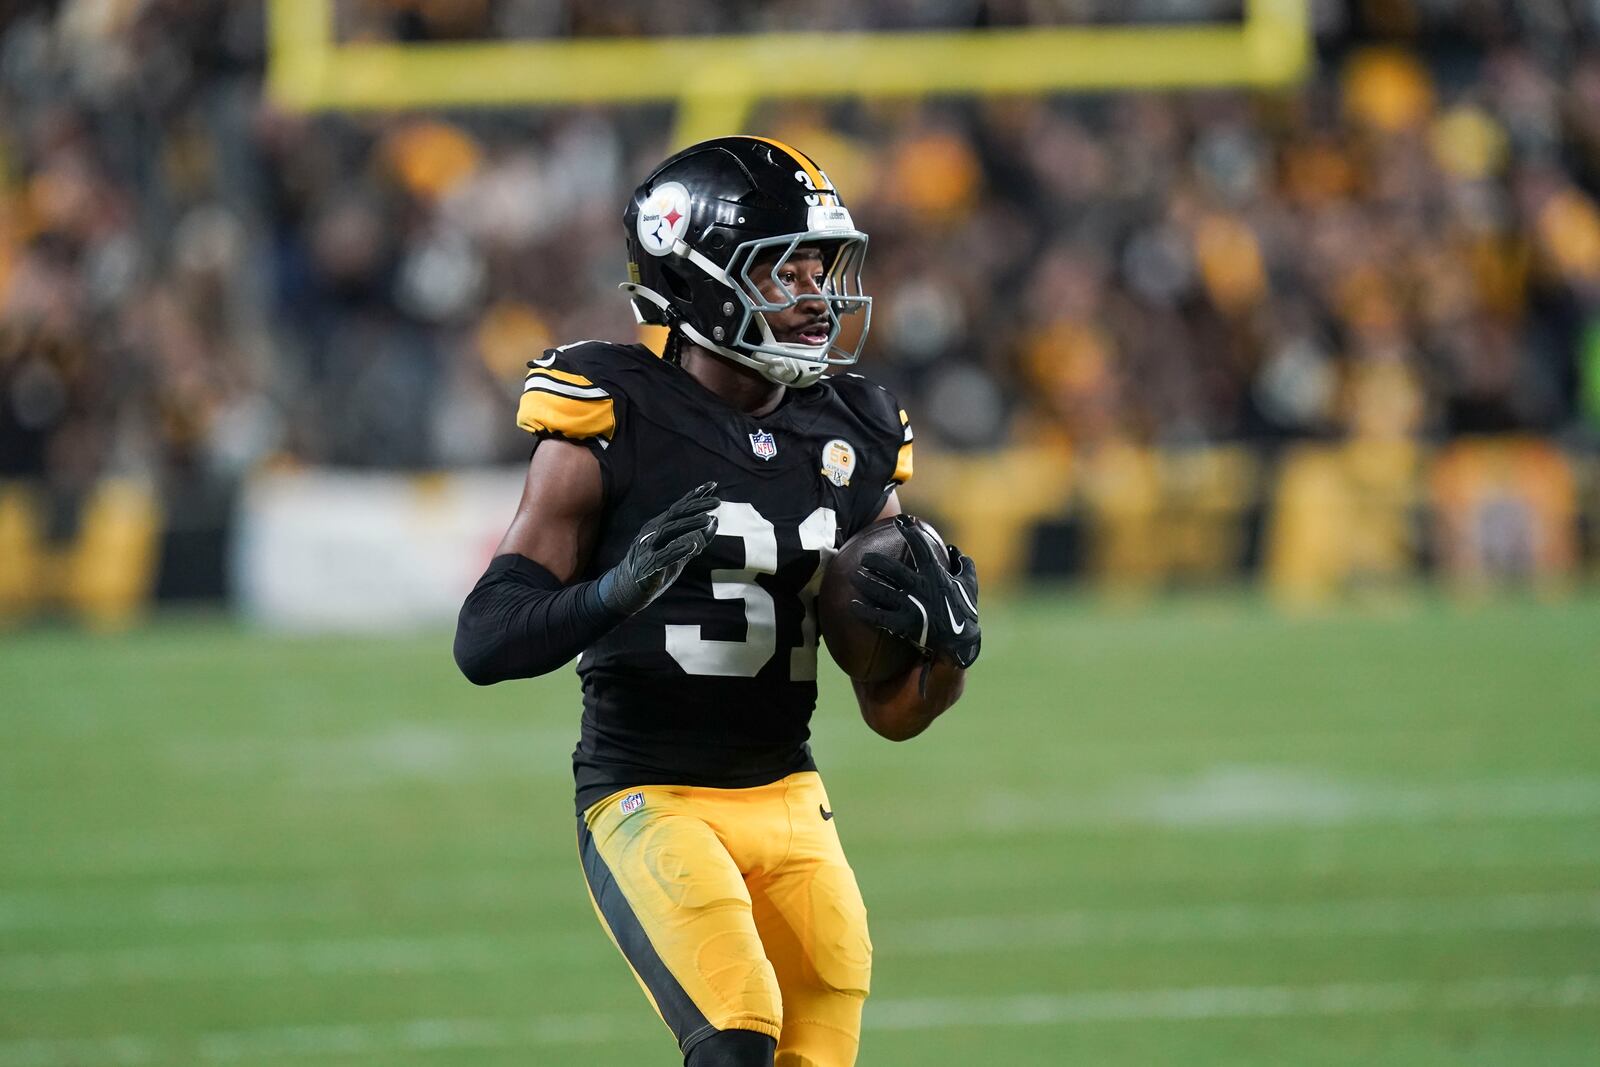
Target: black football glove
[663,548]
[933,605]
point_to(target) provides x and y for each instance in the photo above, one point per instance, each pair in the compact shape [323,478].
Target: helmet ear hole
[677,283]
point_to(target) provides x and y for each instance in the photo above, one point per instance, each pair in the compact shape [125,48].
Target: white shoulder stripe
[578,392]
[909,435]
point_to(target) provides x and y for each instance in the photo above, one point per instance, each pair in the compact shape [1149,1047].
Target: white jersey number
[697,654]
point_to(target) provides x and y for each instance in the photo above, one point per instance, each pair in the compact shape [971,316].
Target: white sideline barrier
[323,550]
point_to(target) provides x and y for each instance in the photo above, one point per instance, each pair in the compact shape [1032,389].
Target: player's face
[800,278]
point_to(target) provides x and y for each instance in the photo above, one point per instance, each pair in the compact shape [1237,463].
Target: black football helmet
[705,217]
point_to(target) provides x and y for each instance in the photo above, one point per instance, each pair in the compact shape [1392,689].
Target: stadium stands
[1402,253]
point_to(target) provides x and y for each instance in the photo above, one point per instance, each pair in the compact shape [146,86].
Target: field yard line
[841,754]
[277,959]
[1192,1004]
[1235,1002]
[327,900]
[379,755]
[1226,797]
[175,904]
[201,904]
[1381,917]
[382,755]
[1400,917]
[176,849]
[1248,796]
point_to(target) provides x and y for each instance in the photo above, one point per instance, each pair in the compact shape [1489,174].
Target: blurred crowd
[194,283]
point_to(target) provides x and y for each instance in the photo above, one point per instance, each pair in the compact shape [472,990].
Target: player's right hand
[663,548]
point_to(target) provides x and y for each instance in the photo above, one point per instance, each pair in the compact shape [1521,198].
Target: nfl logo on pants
[763,445]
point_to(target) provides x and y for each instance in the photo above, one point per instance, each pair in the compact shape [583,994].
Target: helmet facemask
[840,294]
[751,340]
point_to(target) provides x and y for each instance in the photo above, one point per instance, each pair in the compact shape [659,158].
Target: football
[864,652]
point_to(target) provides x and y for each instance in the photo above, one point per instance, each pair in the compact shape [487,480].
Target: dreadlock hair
[673,351]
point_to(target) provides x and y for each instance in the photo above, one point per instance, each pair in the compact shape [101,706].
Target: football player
[676,519]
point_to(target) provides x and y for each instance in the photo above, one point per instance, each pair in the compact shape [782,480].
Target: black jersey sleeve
[887,463]
[519,621]
[572,393]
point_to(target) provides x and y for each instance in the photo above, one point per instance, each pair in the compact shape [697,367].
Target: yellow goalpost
[715,80]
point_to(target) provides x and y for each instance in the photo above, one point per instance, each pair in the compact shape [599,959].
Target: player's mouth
[813,333]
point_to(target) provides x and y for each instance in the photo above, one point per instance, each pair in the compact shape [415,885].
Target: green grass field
[1199,834]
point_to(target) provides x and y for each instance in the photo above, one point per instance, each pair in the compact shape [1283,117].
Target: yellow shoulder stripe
[902,464]
[545,412]
[819,181]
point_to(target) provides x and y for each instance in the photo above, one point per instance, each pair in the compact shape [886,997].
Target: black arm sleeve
[520,621]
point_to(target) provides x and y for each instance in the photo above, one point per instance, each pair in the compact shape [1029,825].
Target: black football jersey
[714,683]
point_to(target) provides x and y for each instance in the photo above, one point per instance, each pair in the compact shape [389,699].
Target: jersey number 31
[745,659]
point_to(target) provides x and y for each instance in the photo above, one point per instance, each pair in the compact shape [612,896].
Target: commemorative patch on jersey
[763,445]
[664,218]
[838,461]
[631,803]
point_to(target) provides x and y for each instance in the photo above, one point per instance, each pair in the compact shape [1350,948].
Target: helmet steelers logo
[663,218]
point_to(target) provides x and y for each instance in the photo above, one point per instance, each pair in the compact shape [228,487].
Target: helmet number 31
[697,654]
[812,199]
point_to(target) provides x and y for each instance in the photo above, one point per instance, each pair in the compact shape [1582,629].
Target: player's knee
[844,964]
[841,949]
[847,971]
[733,1048]
[735,966]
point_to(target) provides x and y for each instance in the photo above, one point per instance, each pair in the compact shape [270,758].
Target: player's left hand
[662,550]
[933,605]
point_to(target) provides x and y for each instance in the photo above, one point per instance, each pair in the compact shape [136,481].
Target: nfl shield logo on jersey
[632,803]
[763,445]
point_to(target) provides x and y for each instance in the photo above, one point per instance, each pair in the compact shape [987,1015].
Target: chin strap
[780,370]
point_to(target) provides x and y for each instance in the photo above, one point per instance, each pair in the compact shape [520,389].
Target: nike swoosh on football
[826,814]
[956,626]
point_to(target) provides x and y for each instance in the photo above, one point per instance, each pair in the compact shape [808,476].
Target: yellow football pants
[736,909]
